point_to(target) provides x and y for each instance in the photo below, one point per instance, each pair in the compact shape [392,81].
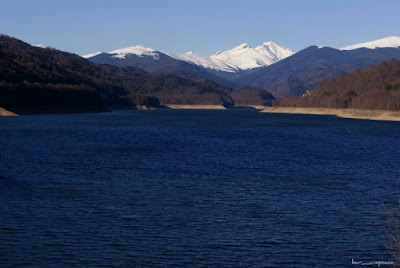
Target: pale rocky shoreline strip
[210,107]
[4,112]
[381,115]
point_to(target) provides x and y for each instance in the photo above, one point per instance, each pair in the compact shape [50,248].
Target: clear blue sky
[203,26]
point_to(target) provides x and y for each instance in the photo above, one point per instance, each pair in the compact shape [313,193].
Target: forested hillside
[375,87]
[251,96]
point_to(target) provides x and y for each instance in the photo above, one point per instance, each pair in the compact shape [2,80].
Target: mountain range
[221,67]
[237,59]
[269,66]
[36,80]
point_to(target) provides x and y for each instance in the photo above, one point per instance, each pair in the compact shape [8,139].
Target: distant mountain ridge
[240,58]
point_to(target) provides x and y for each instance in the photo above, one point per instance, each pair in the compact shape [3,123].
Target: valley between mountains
[36,79]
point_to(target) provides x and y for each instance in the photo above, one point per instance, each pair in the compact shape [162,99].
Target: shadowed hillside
[375,87]
[251,96]
[39,80]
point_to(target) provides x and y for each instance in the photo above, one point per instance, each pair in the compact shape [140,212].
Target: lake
[196,188]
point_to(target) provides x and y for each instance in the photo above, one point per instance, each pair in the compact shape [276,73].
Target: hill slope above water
[375,87]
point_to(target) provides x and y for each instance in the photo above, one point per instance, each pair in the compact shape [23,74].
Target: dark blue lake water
[195,188]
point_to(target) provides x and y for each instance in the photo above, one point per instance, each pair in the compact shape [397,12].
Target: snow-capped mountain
[245,57]
[138,50]
[239,58]
[205,62]
[391,41]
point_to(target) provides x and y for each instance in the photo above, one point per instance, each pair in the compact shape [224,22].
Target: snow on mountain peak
[40,46]
[136,50]
[123,52]
[242,57]
[391,41]
[242,46]
[267,43]
[270,44]
[245,57]
[274,51]
[204,61]
[91,55]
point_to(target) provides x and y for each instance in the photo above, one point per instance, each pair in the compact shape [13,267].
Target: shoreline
[4,112]
[189,107]
[52,110]
[211,107]
[366,114]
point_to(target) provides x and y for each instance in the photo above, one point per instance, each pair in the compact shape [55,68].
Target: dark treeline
[35,77]
[250,96]
[375,87]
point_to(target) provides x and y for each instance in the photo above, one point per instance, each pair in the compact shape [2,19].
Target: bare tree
[393,233]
